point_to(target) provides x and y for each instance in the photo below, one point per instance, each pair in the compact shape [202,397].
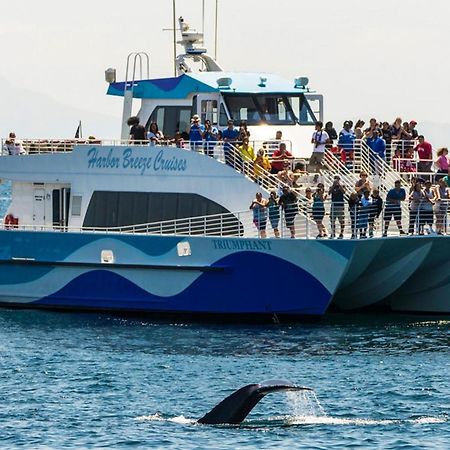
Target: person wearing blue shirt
[393,207]
[196,133]
[346,142]
[378,147]
[229,136]
[210,136]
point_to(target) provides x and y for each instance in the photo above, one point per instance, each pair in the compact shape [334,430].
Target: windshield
[269,109]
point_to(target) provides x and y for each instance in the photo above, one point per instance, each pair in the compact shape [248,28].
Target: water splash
[304,404]
[158,417]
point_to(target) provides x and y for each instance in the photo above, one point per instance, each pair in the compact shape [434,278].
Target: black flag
[79,132]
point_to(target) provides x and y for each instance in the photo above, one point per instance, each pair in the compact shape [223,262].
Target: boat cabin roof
[205,82]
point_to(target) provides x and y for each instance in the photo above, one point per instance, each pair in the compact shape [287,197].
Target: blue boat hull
[233,277]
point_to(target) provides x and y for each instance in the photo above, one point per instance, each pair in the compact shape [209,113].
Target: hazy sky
[382,58]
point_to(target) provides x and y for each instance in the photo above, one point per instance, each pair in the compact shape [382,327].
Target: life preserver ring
[11,221]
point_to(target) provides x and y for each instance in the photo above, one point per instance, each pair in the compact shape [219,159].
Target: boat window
[243,107]
[254,109]
[121,209]
[275,110]
[223,119]
[209,111]
[171,118]
[60,206]
[76,205]
[302,109]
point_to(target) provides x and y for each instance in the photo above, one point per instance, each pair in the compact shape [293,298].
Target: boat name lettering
[228,244]
[102,162]
[128,160]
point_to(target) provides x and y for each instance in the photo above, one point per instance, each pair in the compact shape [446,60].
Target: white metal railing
[38,146]
[309,220]
[43,146]
[333,166]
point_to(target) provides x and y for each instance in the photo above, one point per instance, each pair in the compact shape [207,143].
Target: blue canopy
[204,82]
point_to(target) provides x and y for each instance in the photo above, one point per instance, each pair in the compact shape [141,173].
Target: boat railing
[44,146]
[307,219]
[38,146]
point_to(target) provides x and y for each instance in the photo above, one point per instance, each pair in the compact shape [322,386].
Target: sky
[383,59]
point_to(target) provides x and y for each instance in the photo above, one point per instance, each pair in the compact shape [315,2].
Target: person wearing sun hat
[196,132]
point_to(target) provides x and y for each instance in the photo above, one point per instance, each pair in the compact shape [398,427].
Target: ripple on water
[88,380]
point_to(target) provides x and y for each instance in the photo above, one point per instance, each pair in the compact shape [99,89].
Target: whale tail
[236,407]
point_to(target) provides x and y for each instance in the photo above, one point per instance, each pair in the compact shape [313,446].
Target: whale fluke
[235,408]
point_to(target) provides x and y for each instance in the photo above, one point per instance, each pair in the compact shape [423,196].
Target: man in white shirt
[319,139]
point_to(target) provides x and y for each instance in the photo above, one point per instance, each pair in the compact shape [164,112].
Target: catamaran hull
[168,274]
[402,274]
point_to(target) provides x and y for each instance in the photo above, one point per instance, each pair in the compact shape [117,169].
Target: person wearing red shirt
[425,152]
[278,158]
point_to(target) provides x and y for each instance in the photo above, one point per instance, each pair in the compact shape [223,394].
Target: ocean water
[73,380]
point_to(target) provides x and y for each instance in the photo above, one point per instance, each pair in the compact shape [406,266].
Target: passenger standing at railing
[397,129]
[375,210]
[425,152]
[13,146]
[442,199]
[426,208]
[393,208]
[153,134]
[262,164]
[210,136]
[286,176]
[363,184]
[229,136]
[359,133]
[373,126]
[378,154]
[259,208]
[247,155]
[386,133]
[178,139]
[137,131]
[346,143]
[274,213]
[288,201]
[364,214]
[353,207]
[243,131]
[196,133]
[337,192]
[443,163]
[416,198]
[332,135]
[279,157]
[318,210]
[412,130]
[319,139]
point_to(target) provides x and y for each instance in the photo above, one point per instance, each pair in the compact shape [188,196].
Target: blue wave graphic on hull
[252,283]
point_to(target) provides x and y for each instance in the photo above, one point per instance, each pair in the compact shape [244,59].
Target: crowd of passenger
[398,143]
[367,211]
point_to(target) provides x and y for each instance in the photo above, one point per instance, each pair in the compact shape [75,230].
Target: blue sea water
[98,381]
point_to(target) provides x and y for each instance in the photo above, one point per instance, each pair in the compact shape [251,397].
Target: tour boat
[165,228]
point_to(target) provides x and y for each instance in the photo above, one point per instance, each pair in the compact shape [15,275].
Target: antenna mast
[215,31]
[174,26]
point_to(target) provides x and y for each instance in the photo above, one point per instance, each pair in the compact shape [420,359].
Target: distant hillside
[31,114]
